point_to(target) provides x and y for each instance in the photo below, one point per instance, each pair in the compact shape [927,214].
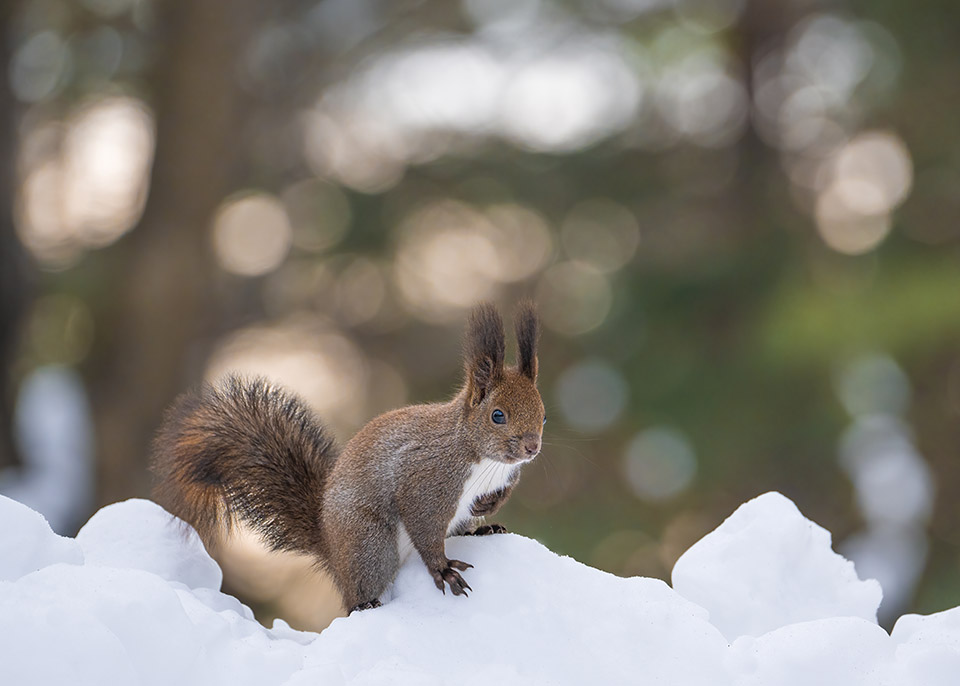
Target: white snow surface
[762,600]
[768,566]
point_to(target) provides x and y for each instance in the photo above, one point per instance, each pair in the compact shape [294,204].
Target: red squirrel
[247,450]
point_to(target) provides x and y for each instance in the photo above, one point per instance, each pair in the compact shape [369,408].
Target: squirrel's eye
[498,417]
[544,420]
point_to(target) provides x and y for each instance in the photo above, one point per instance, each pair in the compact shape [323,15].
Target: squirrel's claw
[451,576]
[488,529]
[457,584]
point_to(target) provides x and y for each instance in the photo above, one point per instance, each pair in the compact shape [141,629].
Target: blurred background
[740,219]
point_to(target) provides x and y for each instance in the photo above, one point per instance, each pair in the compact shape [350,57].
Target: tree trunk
[157,328]
[14,266]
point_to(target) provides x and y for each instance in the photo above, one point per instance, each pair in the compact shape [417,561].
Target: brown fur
[527,325]
[245,450]
[250,451]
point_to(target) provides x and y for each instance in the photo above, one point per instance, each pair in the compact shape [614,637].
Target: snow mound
[532,618]
[139,534]
[27,543]
[768,566]
[760,601]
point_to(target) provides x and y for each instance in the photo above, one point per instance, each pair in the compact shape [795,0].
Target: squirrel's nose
[531,444]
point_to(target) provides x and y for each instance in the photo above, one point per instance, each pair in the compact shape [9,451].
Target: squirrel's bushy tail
[246,450]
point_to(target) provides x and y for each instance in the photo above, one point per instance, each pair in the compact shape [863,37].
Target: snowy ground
[762,600]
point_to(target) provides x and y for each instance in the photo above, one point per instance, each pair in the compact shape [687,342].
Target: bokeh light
[306,356]
[892,481]
[659,463]
[302,593]
[521,239]
[699,98]
[872,173]
[873,384]
[352,148]
[574,298]
[868,178]
[85,182]
[566,96]
[894,557]
[107,155]
[846,230]
[445,260]
[832,52]
[894,492]
[570,98]
[38,68]
[591,395]
[445,85]
[251,234]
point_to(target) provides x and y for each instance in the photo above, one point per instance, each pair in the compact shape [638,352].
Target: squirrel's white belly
[404,544]
[485,477]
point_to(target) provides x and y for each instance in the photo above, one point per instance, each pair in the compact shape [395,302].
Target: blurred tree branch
[159,313]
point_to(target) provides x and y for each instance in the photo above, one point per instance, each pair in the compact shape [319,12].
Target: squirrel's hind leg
[364,561]
[369,605]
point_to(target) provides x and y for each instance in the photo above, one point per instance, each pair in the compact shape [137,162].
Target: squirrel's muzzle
[531,444]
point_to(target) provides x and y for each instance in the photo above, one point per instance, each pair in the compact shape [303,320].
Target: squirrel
[247,450]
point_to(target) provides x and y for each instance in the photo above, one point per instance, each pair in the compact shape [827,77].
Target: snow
[27,543]
[137,534]
[768,566]
[762,600]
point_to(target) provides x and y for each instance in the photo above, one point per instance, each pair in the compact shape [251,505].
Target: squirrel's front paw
[488,504]
[450,575]
[488,529]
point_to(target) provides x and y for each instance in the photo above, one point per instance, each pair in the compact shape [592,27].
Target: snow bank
[768,566]
[761,600]
[27,543]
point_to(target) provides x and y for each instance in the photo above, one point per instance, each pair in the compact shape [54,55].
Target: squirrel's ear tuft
[526,322]
[483,351]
